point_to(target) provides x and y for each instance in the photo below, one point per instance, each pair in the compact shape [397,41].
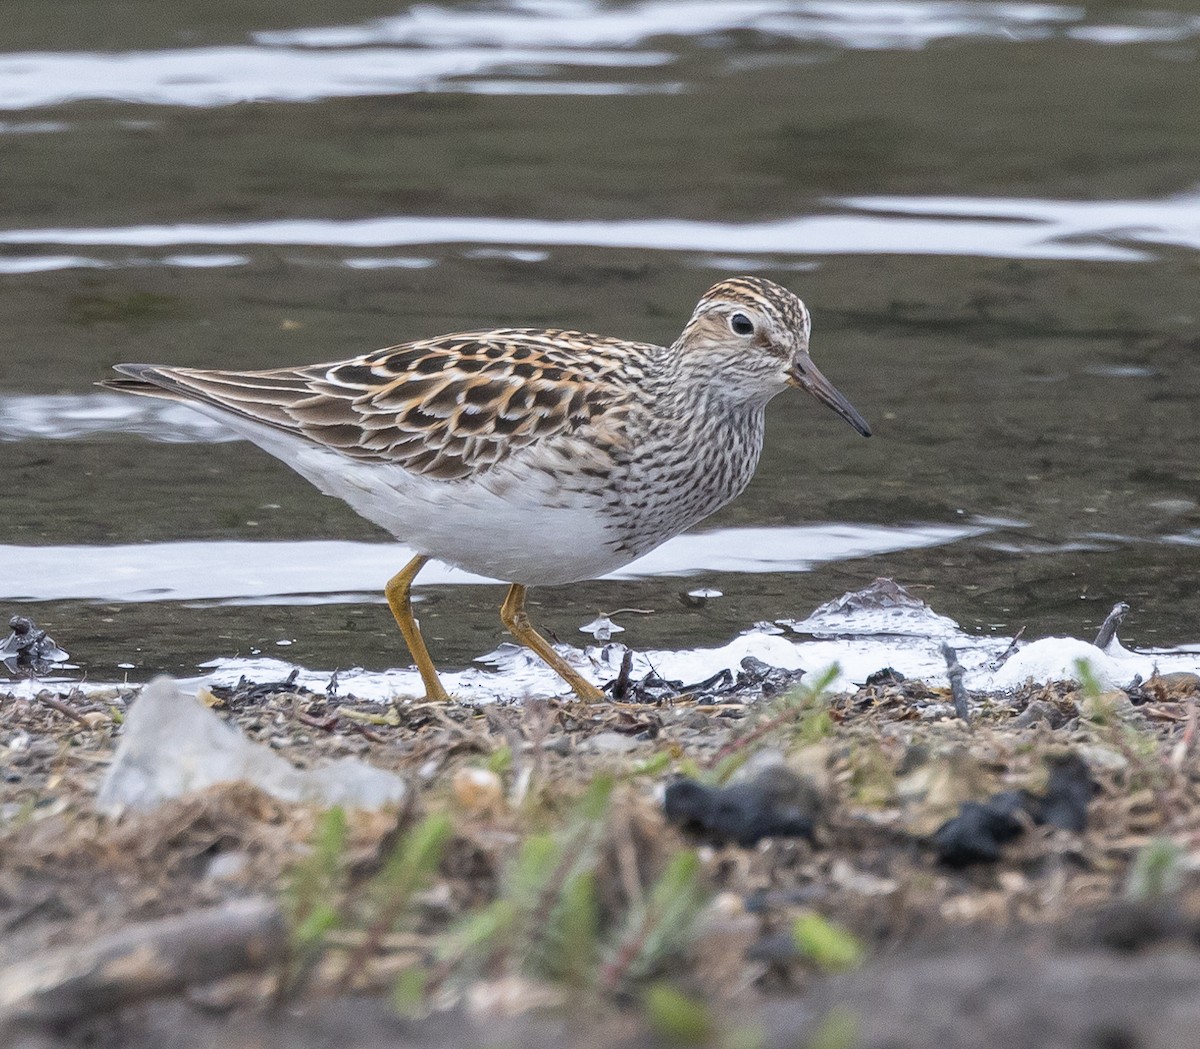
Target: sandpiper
[536,456]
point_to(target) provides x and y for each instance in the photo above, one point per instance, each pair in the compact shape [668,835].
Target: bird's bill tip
[805,376]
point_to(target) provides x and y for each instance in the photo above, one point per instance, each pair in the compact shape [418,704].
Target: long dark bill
[805,376]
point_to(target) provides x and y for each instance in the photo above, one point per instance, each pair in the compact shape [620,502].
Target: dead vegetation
[533,871]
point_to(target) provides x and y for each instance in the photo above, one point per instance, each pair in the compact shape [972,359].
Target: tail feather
[263,397]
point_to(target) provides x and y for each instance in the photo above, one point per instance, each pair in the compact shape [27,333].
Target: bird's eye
[740,324]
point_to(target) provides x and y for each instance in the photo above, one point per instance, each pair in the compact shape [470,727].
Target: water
[992,210]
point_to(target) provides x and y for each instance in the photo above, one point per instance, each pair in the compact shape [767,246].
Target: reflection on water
[535,43]
[1011,229]
[222,76]
[990,207]
[16,264]
[589,23]
[274,572]
[73,416]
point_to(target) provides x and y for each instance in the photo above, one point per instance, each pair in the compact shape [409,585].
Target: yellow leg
[513,615]
[397,593]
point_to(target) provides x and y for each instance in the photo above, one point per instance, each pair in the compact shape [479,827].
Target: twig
[1179,753]
[627,859]
[1108,629]
[47,700]
[956,673]
[613,972]
[365,732]
[324,724]
[145,961]
[1008,653]
[622,684]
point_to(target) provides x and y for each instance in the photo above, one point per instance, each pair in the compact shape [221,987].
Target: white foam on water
[18,264]
[513,674]
[879,627]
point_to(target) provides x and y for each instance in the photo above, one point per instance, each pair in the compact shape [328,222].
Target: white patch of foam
[1057,659]
[516,674]
[965,226]
[860,651]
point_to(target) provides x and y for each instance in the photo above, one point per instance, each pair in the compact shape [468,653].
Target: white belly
[516,538]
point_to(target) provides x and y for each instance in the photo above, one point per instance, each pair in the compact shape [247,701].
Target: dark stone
[775,804]
[980,828]
[976,834]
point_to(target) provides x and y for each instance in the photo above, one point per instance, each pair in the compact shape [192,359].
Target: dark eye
[740,324]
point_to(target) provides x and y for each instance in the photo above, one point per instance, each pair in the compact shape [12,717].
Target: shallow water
[992,210]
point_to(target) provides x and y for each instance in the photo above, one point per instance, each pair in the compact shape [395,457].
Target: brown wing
[446,407]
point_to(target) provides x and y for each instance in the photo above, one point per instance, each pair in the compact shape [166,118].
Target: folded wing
[447,407]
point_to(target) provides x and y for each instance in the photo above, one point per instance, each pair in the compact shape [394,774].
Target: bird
[533,456]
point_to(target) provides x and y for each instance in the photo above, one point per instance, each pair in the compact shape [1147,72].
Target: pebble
[610,743]
[478,790]
[937,712]
[227,865]
[560,745]
[1039,711]
[1100,757]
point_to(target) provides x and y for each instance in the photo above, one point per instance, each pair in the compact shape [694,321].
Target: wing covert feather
[448,407]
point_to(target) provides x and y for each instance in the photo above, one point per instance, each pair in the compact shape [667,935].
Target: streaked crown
[747,332]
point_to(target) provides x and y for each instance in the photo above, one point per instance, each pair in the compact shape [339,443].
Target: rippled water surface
[992,209]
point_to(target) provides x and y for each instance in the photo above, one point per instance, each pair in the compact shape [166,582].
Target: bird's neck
[693,383]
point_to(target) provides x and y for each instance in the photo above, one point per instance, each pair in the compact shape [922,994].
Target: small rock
[1068,791]
[1101,757]
[226,866]
[478,790]
[850,878]
[560,745]
[977,832]
[610,743]
[28,648]
[938,712]
[509,996]
[760,762]
[771,681]
[1177,685]
[1040,712]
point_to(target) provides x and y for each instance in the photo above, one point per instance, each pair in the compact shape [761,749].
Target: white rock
[173,744]
[610,743]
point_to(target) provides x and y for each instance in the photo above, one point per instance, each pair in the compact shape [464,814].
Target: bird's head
[751,336]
